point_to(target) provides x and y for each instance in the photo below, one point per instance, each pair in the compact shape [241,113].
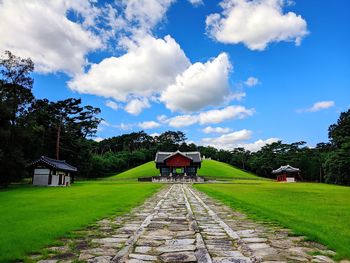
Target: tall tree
[15,97]
[337,163]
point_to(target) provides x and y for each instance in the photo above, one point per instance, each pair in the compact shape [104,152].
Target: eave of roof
[286,168]
[196,157]
[57,164]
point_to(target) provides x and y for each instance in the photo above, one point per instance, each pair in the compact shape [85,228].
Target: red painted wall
[178,161]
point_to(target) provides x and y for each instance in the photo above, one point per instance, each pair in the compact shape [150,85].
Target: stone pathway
[180,224]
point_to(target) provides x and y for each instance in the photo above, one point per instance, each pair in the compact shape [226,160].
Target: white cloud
[196,2]
[113,105]
[229,140]
[98,139]
[255,23]
[136,106]
[121,126]
[158,69]
[209,117]
[227,113]
[210,129]
[182,121]
[321,105]
[124,126]
[201,85]
[251,82]
[41,30]
[237,139]
[257,145]
[162,118]
[149,125]
[105,123]
[145,14]
[155,134]
[148,67]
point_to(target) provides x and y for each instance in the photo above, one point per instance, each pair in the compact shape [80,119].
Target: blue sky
[228,73]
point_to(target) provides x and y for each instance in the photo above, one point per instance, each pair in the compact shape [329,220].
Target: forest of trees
[31,127]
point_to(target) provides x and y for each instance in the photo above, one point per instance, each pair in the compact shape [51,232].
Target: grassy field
[33,217]
[319,211]
[210,169]
[217,170]
[144,170]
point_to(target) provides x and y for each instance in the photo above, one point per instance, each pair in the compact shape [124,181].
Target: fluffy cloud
[182,121]
[145,14]
[199,86]
[255,23]
[112,104]
[257,145]
[158,67]
[237,139]
[98,139]
[321,105]
[121,126]
[42,31]
[148,125]
[210,129]
[227,113]
[251,82]
[136,106]
[148,67]
[209,117]
[196,2]
[229,140]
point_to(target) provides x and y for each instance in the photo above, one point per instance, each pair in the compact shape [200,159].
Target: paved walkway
[180,224]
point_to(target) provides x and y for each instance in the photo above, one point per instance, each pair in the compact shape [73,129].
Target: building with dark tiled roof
[51,172]
[287,173]
[173,164]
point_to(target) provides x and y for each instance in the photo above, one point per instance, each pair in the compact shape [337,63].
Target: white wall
[54,181]
[42,171]
[40,179]
[68,180]
[290,179]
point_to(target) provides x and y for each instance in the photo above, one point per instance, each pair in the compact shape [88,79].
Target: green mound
[144,170]
[211,170]
[217,170]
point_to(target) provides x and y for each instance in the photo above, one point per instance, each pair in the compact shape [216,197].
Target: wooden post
[58,138]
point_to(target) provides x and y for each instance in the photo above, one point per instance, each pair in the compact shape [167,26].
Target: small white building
[51,172]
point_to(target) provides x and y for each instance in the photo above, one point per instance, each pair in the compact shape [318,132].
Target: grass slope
[217,170]
[210,169]
[319,211]
[144,170]
[33,217]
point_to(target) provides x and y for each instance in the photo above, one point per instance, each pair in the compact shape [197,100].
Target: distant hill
[210,170]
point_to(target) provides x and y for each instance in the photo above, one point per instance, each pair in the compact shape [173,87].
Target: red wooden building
[287,173]
[178,164]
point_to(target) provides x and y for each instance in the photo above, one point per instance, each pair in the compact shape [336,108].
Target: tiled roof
[57,164]
[162,156]
[286,169]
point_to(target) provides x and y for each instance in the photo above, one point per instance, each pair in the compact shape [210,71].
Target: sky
[230,73]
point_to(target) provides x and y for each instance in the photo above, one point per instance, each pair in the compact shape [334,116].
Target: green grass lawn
[144,170]
[217,170]
[319,211]
[210,169]
[33,217]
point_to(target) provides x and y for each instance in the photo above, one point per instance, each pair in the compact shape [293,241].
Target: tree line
[31,127]
[327,162]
